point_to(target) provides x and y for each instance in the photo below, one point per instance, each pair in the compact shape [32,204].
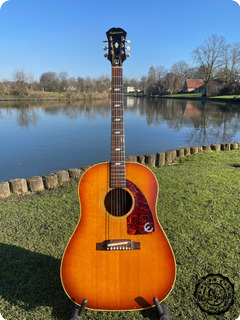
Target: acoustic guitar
[118,257]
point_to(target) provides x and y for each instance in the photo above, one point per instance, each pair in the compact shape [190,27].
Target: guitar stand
[78,311]
[162,310]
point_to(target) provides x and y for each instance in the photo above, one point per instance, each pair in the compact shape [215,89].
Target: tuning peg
[105,48]
[105,55]
[128,41]
[128,55]
[128,48]
[105,41]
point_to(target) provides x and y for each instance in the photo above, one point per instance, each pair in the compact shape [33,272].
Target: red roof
[191,111]
[194,83]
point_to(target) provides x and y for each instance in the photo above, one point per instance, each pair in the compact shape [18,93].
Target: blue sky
[66,35]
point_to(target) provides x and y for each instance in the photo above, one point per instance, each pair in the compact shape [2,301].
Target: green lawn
[199,95]
[227,97]
[183,95]
[198,207]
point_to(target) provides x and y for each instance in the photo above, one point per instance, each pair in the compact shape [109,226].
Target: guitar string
[113,125]
[116,146]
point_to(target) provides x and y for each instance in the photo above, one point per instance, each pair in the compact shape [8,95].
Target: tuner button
[105,48]
[128,55]
[105,55]
[128,41]
[105,41]
[128,48]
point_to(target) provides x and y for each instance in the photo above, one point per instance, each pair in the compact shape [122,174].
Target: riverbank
[193,96]
[198,208]
[54,96]
[199,96]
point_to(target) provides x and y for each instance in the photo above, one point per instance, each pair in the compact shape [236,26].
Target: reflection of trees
[88,109]
[26,117]
[27,112]
[207,122]
[214,126]
[203,122]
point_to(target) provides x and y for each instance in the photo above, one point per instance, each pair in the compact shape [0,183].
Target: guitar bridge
[118,245]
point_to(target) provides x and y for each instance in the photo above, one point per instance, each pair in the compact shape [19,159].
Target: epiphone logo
[116,32]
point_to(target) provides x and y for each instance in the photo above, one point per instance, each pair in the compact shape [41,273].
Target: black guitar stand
[78,311]
[162,311]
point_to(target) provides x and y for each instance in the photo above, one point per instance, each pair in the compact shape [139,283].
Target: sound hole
[118,202]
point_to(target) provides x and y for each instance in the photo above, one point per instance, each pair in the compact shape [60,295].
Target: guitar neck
[117,164]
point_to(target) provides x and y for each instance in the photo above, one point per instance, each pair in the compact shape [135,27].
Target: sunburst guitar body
[118,257]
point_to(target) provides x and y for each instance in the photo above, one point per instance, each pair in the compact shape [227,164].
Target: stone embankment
[53,180]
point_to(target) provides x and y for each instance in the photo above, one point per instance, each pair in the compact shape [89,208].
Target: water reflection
[208,122]
[45,137]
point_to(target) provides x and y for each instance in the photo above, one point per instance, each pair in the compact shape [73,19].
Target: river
[39,138]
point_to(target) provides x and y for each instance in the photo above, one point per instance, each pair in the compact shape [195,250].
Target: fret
[118,173]
[122,176]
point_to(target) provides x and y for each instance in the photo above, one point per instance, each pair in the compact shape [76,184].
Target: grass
[198,207]
[183,95]
[227,97]
[199,96]
[55,96]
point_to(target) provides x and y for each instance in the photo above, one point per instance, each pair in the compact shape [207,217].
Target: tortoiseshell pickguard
[140,221]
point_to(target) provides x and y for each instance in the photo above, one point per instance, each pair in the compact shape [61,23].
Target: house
[194,86]
[127,88]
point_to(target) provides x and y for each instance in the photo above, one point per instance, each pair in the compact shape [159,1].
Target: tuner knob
[128,41]
[128,48]
[105,55]
[105,48]
[128,55]
[105,41]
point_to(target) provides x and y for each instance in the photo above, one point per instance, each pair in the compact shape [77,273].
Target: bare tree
[173,82]
[63,81]
[209,55]
[151,80]
[180,68]
[20,79]
[143,84]
[161,73]
[231,63]
[50,81]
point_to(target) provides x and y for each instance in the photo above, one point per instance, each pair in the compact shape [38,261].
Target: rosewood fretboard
[117,164]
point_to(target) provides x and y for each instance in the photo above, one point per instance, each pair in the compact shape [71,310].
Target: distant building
[127,88]
[194,86]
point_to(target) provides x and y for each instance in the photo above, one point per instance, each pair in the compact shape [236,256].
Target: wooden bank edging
[53,180]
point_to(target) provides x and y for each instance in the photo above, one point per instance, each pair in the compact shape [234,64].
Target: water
[39,138]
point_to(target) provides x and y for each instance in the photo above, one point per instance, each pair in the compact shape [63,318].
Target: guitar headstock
[116,46]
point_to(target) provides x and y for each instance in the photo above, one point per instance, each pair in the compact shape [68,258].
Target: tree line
[23,83]
[216,62]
